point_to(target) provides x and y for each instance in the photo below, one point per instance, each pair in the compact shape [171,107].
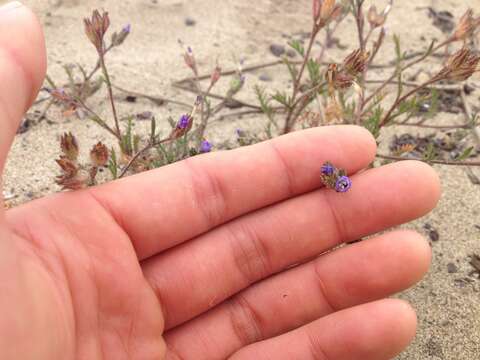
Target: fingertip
[404,316]
[420,180]
[362,139]
[420,251]
[26,49]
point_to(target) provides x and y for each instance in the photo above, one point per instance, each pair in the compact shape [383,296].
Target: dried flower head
[96,27]
[325,11]
[460,66]
[466,27]
[69,146]
[356,62]
[99,155]
[73,177]
[377,19]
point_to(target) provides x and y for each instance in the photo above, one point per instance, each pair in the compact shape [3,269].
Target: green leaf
[372,124]
[282,98]
[314,71]
[430,153]
[466,154]
[298,47]
[113,164]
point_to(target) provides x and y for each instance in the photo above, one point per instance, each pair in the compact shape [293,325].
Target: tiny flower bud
[328,169]
[190,59]
[119,38]
[216,74]
[317,4]
[205,146]
[327,9]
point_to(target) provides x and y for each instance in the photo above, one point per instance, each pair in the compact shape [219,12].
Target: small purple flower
[205,147]
[127,29]
[184,122]
[343,184]
[328,169]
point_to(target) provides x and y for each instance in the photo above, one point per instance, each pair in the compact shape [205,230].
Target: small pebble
[190,22]
[264,77]
[277,50]
[452,268]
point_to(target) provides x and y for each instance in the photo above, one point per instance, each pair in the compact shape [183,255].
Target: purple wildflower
[206,146]
[184,122]
[127,29]
[343,184]
[328,169]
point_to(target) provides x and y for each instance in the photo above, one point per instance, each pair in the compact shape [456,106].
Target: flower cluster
[74,175]
[335,178]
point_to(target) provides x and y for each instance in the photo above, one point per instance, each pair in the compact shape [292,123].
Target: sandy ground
[447,301]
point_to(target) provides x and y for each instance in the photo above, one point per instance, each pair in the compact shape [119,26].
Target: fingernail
[11,6]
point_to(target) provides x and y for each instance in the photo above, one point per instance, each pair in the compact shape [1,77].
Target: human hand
[195,260]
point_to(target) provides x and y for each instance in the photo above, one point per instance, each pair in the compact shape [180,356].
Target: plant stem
[140,153]
[110,94]
[296,84]
[406,67]
[439,162]
[401,99]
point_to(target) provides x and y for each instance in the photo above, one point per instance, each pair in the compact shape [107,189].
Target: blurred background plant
[321,93]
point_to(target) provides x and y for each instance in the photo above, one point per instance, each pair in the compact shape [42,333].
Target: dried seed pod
[356,62]
[466,27]
[96,27]
[69,146]
[460,66]
[99,155]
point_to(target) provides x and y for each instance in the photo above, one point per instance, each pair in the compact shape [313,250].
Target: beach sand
[447,300]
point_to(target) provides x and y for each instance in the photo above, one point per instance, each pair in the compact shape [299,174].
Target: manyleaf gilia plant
[322,93]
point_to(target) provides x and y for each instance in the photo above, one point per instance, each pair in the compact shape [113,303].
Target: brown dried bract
[96,28]
[460,66]
[99,155]
[69,146]
[466,27]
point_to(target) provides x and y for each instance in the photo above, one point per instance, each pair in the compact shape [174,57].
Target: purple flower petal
[343,184]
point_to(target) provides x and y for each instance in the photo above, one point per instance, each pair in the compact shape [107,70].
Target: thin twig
[404,68]
[150,145]
[439,162]
[158,100]
[110,94]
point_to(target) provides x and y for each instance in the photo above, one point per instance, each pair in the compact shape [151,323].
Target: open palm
[196,260]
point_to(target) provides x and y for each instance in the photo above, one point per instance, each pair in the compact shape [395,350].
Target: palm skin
[195,260]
